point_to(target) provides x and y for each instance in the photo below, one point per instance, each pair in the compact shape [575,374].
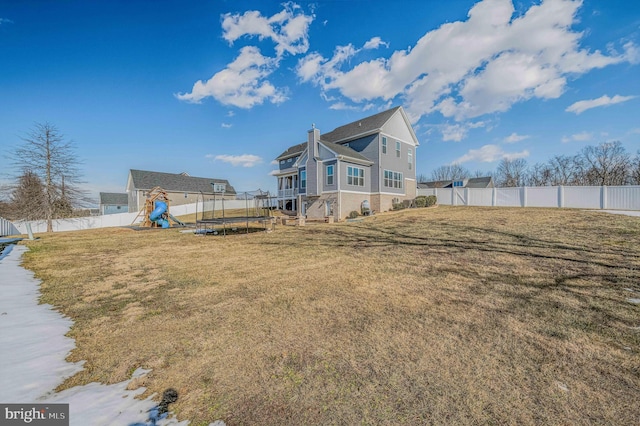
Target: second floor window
[384,145]
[330,174]
[303,179]
[397,149]
[410,158]
[355,176]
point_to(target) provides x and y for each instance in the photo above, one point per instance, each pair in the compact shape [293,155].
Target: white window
[281,161]
[458,183]
[289,160]
[397,149]
[355,176]
[410,158]
[330,174]
[384,145]
[303,179]
[393,179]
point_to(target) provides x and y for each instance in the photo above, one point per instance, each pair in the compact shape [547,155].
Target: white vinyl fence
[7,228]
[120,219]
[582,197]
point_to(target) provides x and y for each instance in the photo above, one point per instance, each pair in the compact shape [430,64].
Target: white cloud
[245,160]
[242,84]
[230,113]
[375,43]
[288,29]
[459,131]
[454,132]
[226,125]
[469,68]
[342,106]
[5,21]
[489,154]
[273,172]
[514,137]
[603,101]
[577,137]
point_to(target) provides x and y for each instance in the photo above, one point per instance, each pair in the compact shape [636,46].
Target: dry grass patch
[431,316]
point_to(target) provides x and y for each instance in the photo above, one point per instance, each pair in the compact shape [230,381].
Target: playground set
[155,213]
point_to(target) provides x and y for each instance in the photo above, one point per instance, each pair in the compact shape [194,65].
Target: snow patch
[33,349]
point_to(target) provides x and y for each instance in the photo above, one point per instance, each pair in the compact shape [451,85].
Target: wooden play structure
[155,213]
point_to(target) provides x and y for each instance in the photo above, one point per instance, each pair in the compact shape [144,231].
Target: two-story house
[332,174]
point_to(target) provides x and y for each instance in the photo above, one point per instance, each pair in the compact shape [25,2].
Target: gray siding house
[180,187]
[113,202]
[331,174]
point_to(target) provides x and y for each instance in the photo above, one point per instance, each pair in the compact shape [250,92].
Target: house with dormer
[181,188]
[370,161]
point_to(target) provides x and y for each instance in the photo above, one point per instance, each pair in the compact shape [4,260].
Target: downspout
[339,189]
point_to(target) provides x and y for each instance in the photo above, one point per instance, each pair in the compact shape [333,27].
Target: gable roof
[345,151]
[147,180]
[293,150]
[114,198]
[480,182]
[358,127]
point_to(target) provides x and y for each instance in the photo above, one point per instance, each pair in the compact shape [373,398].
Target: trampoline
[220,215]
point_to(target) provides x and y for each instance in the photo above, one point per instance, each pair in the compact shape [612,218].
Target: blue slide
[156,214]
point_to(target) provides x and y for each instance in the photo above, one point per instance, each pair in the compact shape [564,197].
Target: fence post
[603,197]
[560,196]
[494,196]
[466,196]
[524,196]
[453,197]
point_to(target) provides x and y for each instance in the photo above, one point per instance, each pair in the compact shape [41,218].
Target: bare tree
[540,175]
[480,173]
[422,178]
[46,154]
[606,164]
[511,173]
[450,172]
[635,170]
[565,170]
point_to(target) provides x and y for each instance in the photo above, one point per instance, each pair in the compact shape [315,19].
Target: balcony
[288,193]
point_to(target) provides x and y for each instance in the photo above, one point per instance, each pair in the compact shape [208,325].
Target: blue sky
[220,88]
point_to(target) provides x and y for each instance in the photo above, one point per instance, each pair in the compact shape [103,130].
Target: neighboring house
[479,182]
[181,188]
[332,174]
[112,202]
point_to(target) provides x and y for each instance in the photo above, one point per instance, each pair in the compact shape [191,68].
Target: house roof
[479,182]
[114,198]
[146,180]
[434,184]
[293,150]
[358,127]
[345,151]
[348,131]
